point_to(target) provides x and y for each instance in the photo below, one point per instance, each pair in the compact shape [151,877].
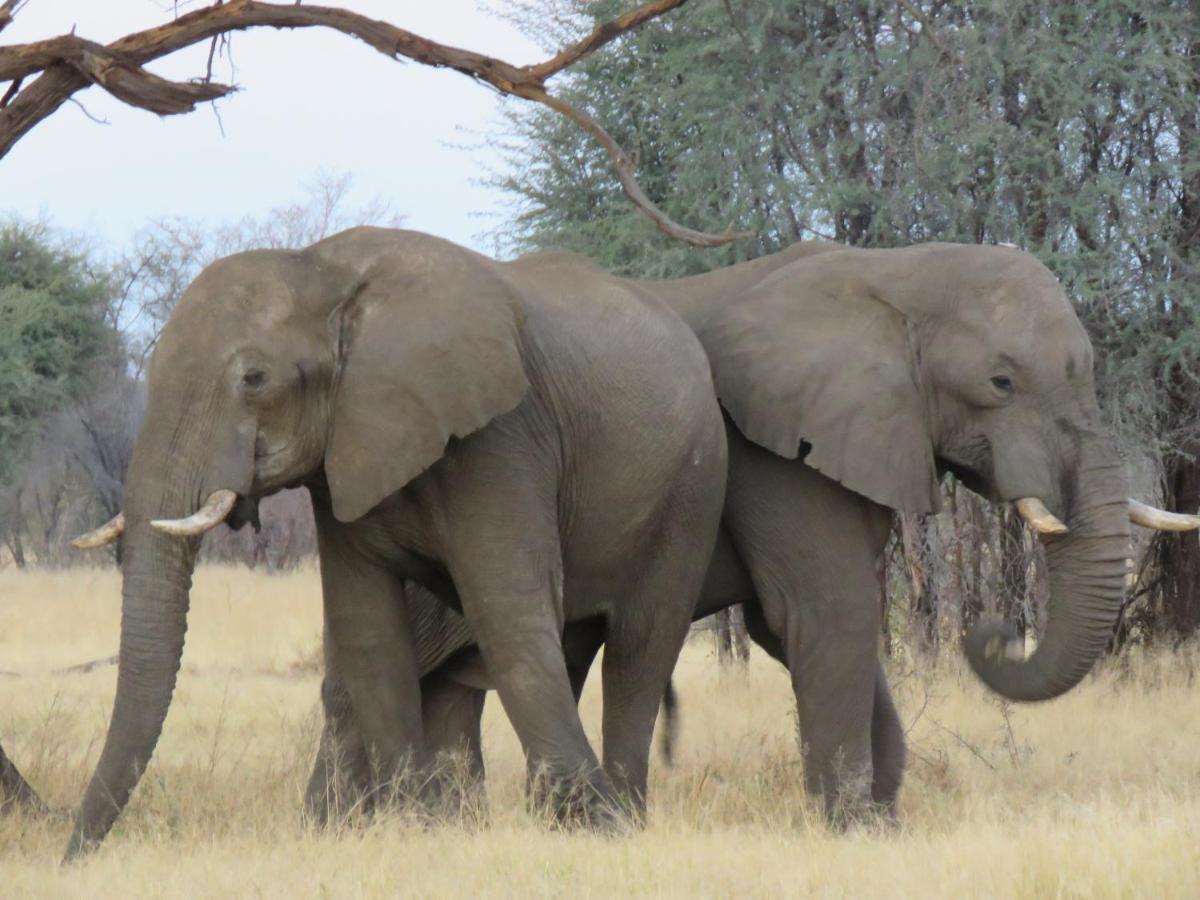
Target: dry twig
[965,743]
[88,666]
[69,63]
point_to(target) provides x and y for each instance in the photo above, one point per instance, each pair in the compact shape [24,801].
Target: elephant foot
[857,811]
[456,793]
[580,801]
[335,799]
[846,795]
[861,815]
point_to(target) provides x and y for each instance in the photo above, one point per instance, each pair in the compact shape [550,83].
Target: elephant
[467,424]
[852,380]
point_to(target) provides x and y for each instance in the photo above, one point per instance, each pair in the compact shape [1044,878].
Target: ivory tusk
[1034,512]
[105,534]
[210,515]
[1160,519]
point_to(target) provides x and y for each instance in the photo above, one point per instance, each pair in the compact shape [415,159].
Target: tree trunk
[977,532]
[1014,569]
[923,604]
[16,546]
[1179,554]
[881,572]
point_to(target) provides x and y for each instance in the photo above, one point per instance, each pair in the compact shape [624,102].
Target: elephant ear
[812,355]
[428,350]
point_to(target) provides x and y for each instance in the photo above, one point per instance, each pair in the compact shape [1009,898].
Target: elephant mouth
[262,453]
[272,468]
[245,512]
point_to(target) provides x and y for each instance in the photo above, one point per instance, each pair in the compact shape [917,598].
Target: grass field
[1094,795]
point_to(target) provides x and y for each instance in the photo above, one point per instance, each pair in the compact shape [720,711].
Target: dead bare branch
[601,35]
[137,87]
[965,743]
[8,9]
[88,666]
[69,63]
[87,113]
[624,167]
[11,92]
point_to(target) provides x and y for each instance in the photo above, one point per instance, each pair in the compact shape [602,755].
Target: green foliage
[51,328]
[1072,130]
[1069,129]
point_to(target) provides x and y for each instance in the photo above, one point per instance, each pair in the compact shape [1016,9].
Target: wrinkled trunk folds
[156,573]
[1087,585]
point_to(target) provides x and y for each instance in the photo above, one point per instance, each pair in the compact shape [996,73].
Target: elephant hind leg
[888,754]
[451,713]
[340,784]
[15,790]
[644,637]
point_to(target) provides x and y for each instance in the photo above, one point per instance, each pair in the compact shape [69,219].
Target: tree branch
[69,63]
[601,35]
[8,9]
[624,167]
[926,26]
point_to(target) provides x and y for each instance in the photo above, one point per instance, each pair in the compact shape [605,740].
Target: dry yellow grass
[1094,795]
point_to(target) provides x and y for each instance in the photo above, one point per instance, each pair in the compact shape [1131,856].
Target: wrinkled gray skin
[852,379]
[466,424]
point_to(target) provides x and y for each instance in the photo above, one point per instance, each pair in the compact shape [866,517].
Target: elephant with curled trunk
[536,444]
[852,380]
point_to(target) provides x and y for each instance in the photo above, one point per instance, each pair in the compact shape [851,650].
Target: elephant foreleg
[511,601]
[888,753]
[811,548]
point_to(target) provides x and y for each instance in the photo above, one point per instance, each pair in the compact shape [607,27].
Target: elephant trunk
[1087,587]
[156,576]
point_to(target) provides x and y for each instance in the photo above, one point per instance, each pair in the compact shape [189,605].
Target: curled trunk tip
[1087,568]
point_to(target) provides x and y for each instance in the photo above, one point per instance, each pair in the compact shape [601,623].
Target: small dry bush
[1096,794]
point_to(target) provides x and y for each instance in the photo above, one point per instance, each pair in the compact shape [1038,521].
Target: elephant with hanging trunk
[852,380]
[536,444]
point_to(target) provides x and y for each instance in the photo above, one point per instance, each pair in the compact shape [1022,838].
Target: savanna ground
[1094,795]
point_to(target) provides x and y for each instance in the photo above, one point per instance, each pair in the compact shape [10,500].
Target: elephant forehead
[266,287]
[246,282]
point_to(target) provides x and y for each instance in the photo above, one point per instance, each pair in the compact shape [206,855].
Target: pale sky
[310,98]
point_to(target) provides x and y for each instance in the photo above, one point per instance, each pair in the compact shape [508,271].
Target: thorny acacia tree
[1071,130]
[69,63]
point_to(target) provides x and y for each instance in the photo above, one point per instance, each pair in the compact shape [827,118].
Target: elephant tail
[670,731]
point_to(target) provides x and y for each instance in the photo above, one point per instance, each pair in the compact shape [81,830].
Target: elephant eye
[1003,384]
[254,378]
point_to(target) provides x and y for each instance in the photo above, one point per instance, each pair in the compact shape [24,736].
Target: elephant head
[338,367]
[884,368]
